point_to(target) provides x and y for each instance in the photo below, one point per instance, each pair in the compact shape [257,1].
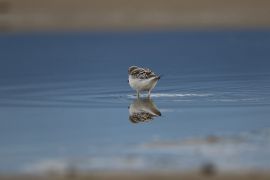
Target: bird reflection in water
[143,110]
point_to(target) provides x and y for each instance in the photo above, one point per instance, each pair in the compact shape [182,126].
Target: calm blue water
[64,101]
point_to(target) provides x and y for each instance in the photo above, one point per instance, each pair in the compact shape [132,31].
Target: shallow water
[64,101]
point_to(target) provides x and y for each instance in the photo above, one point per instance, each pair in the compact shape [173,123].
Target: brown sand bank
[139,176]
[29,15]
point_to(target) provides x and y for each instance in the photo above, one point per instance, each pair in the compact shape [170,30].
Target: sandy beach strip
[38,15]
[143,176]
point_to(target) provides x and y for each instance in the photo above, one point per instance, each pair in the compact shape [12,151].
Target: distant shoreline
[95,15]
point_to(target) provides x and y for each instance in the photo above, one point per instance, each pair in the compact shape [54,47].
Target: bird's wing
[142,73]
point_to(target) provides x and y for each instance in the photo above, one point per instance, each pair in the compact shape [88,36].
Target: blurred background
[65,104]
[38,15]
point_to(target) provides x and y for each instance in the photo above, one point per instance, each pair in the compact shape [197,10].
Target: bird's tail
[159,77]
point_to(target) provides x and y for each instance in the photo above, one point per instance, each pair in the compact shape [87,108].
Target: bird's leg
[138,94]
[149,93]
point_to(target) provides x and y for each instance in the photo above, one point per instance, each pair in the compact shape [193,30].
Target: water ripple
[116,93]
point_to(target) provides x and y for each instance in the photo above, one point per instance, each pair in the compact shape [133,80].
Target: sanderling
[142,79]
[143,110]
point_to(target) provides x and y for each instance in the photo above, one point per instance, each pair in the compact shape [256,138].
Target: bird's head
[131,68]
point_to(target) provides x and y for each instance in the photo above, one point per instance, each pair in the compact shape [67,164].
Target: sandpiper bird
[142,79]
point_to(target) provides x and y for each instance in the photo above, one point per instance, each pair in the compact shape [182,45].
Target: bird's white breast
[142,84]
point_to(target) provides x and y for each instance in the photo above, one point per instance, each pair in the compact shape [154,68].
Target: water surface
[64,101]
